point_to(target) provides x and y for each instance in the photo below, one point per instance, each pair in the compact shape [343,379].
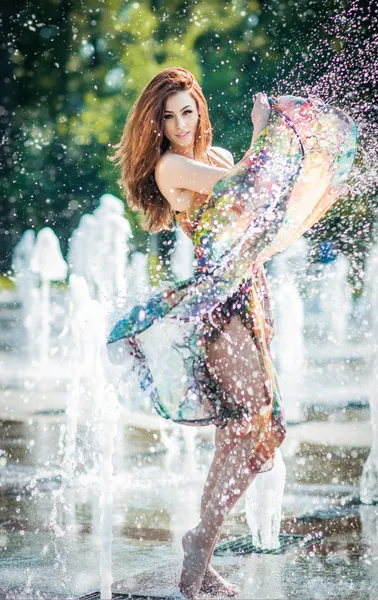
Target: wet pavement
[50,527]
[50,531]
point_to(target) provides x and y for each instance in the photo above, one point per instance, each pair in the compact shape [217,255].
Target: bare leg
[233,362]
[235,478]
[225,440]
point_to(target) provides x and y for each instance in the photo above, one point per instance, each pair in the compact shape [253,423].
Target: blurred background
[71,70]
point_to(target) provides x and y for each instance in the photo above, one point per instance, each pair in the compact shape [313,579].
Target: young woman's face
[180,120]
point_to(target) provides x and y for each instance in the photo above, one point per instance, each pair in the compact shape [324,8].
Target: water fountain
[119,232]
[87,436]
[108,425]
[369,522]
[288,344]
[92,395]
[336,302]
[290,350]
[109,204]
[369,479]
[81,358]
[80,248]
[111,249]
[264,505]
[26,283]
[48,263]
[98,252]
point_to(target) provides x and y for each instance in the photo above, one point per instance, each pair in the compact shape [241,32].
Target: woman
[169,172]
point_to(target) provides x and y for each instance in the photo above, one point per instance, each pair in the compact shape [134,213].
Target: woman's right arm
[179,177]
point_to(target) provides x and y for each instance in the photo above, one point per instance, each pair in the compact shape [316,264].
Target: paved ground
[49,533]
[342,568]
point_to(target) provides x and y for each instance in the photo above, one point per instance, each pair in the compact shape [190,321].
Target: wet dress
[214,329]
[238,368]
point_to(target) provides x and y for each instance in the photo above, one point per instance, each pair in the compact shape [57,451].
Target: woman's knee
[241,452]
[232,434]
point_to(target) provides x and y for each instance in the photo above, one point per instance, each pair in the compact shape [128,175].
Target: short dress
[200,348]
[238,371]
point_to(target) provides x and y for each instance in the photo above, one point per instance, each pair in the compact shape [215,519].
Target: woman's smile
[180,122]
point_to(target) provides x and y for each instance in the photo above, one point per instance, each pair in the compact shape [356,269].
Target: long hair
[143,142]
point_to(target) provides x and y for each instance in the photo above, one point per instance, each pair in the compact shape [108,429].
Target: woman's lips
[182,135]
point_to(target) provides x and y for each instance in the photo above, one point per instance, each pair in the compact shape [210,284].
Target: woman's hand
[260,113]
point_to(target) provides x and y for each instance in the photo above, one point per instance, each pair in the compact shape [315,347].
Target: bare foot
[196,557]
[214,584]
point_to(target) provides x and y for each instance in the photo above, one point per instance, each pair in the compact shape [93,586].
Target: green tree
[74,68]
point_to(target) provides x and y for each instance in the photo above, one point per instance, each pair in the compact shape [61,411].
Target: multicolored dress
[201,347]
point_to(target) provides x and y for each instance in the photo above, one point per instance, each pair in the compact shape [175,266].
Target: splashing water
[342,69]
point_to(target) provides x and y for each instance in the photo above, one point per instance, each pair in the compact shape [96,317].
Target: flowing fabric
[188,343]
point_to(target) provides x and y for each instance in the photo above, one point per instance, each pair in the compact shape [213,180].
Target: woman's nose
[180,121]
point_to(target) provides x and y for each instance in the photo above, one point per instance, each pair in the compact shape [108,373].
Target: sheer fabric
[214,330]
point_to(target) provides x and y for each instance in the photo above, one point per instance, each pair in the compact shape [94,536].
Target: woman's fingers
[260,97]
[261,110]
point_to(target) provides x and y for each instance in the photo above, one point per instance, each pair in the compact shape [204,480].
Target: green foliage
[79,65]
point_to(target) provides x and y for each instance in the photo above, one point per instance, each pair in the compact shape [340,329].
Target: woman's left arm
[260,115]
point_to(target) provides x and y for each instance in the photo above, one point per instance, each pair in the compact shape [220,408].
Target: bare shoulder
[171,181]
[226,154]
[164,166]
[169,159]
[178,177]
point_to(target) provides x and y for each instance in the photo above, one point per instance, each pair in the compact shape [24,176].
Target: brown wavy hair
[143,142]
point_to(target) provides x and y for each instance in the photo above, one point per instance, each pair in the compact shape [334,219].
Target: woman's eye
[186,112]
